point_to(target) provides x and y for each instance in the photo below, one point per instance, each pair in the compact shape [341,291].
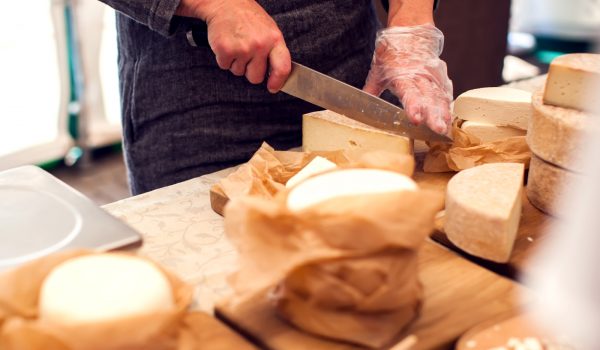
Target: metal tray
[40,214]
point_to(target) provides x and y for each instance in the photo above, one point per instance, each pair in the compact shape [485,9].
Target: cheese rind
[483,209]
[103,288]
[317,165]
[329,131]
[546,185]
[347,182]
[489,133]
[501,106]
[557,135]
[574,82]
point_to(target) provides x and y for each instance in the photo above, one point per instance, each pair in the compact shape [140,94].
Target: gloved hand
[244,38]
[406,62]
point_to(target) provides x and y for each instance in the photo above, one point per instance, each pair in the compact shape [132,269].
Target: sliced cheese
[501,106]
[348,182]
[103,288]
[546,184]
[317,165]
[483,209]
[557,135]
[574,82]
[329,131]
[489,132]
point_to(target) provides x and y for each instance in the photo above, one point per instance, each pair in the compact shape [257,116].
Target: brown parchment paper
[268,170]
[468,151]
[20,327]
[345,269]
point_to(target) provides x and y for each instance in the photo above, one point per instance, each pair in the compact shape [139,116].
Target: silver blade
[332,94]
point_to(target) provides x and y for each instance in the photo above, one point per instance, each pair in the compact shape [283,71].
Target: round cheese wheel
[103,287]
[348,182]
[546,185]
[557,135]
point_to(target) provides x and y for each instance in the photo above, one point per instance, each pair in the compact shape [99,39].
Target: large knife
[329,93]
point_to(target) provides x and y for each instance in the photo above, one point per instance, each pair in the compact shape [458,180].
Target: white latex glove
[406,62]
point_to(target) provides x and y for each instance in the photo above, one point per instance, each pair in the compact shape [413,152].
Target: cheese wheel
[557,135]
[317,165]
[501,106]
[329,131]
[483,209]
[348,182]
[574,82]
[486,132]
[546,185]
[103,288]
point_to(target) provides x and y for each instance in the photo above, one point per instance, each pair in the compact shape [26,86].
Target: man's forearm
[410,12]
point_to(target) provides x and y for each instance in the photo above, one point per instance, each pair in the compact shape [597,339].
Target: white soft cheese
[501,106]
[103,287]
[316,166]
[348,182]
[489,132]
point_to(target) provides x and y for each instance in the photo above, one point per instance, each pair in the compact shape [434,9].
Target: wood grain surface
[458,295]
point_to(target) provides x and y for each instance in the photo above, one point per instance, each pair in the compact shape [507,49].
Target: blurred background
[60,97]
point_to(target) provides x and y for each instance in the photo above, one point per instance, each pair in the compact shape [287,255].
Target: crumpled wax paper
[268,170]
[345,269]
[467,151]
[21,329]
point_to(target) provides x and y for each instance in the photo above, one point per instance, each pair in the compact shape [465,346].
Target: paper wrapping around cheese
[547,184]
[20,328]
[344,268]
[467,151]
[268,170]
[558,135]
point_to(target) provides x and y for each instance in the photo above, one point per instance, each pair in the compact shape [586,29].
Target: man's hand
[244,38]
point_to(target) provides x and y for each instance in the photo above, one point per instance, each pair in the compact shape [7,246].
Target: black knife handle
[197,36]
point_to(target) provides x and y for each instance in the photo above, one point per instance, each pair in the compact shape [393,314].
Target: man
[184,115]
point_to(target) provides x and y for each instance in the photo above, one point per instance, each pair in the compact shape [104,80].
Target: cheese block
[489,132]
[317,165]
[546,184]
[557,135]
[574,82]
[329,131]
[483,209]
[501,106]
[347,182]
[103,288]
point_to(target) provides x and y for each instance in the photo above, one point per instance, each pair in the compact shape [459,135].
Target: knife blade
[329,93]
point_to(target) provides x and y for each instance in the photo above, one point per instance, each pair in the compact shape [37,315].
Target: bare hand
[244,38]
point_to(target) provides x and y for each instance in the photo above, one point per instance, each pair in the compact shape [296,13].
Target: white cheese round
[348,182]
[103,287]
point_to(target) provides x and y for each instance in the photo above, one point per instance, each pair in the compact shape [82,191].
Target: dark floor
[103,181]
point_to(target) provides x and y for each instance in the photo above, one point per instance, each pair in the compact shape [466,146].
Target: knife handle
[197,36]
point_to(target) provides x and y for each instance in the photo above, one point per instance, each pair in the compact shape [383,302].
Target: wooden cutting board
[458,295]
[532,228]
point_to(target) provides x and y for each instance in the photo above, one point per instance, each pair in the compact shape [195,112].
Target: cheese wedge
[317,165]
[103,288]
[488,132]
[557,135]
[546,184]
[483,209]
[574,82]
[347,182]
[329,131]
[501,106]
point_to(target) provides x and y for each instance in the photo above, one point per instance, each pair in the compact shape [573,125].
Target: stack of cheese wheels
[563,117]
[494,113]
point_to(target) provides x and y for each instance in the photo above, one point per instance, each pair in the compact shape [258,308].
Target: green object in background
[73,110]
[546,56]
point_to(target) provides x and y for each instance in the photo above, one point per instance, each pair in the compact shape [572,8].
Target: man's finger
[256,69]
[280,62]
[238,67]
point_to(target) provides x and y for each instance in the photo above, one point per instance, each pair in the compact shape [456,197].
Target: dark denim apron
[184,117]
